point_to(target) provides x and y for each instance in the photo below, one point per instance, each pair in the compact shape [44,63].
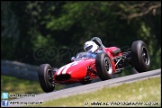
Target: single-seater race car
[87,66]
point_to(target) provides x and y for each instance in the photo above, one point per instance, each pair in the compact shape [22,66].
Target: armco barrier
[19,70]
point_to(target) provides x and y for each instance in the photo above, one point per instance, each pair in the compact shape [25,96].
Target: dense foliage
[39,32]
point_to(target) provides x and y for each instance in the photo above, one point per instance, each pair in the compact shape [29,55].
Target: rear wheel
[46,77]
[140,56]
[104,66]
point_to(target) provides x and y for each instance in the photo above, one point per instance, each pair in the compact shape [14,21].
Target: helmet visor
[88,48]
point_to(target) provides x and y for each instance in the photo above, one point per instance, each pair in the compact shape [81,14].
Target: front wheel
[104,66]
[140,56]
[46,77]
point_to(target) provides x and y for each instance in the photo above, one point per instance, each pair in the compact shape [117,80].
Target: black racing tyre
[140,56]
[46,78]
[104,66]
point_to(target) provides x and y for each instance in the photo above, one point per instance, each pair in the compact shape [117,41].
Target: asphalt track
[83,88]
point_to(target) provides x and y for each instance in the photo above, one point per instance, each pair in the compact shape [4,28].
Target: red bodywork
[77,70]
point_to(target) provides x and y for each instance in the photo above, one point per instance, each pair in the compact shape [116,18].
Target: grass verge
[14,85]
[140,93]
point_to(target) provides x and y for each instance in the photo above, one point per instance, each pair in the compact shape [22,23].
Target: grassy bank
[140,93]
[14,85]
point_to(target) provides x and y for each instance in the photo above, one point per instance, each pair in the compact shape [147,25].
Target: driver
[92,47]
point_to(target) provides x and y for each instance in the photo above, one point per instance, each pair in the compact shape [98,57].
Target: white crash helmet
[90,46]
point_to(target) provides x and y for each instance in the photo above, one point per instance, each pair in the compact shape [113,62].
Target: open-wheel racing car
[87,66]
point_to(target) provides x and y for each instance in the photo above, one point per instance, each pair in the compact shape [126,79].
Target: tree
[56,30]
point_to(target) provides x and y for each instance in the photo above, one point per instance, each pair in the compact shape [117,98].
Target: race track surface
[86,88]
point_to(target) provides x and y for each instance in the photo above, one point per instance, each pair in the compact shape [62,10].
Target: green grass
[143,92]
[14,85]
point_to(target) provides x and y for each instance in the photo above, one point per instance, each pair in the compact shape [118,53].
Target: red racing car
[87,65]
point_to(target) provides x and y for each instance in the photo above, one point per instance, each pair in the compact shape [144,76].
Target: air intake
[63,77]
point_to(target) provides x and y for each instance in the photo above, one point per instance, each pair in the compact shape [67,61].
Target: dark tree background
[38,32]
